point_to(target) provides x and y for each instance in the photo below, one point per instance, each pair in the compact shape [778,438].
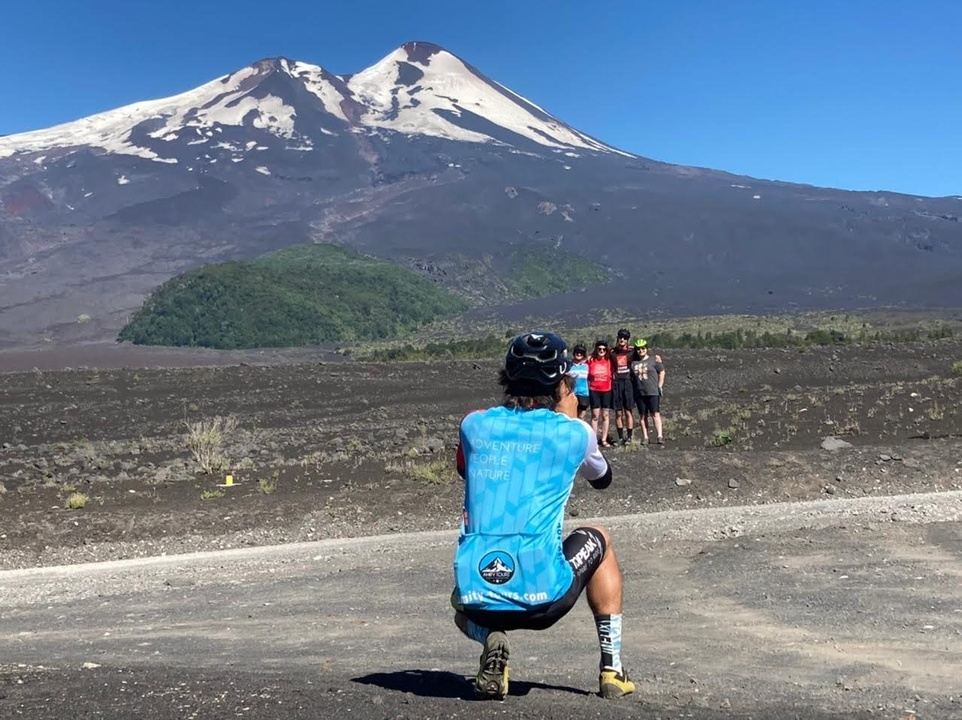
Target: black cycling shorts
[584,549]
[598,399]
[648,403]
[582,403]
[624,395]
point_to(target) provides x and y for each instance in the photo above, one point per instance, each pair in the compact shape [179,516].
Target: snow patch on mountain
[412,109]
[224,101]
[318,82]
[110,131]
[414,88]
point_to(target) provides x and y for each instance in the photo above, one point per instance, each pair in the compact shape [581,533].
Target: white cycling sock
[609,637]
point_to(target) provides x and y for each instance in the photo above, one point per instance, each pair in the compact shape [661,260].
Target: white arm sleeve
[594,465]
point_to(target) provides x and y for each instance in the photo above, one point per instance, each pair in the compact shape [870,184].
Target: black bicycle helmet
[624,333]
[537,357]
[579,349]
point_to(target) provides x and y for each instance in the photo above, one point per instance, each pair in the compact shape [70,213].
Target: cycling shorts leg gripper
[584,549]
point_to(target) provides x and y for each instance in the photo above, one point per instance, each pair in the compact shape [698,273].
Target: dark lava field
[331,449]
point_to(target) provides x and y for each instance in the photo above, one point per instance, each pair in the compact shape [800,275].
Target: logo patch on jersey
[497,567]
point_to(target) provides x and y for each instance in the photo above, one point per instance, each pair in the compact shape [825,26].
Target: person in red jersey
[623,396]
[599,391]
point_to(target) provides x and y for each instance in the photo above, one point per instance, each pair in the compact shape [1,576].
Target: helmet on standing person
[537,357]
[640,343]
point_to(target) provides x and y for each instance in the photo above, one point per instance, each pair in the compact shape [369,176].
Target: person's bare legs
[595,413]
[657,418]
[604,591]
[624,423]
[605,423]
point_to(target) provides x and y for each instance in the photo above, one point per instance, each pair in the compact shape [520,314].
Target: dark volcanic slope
[422,159]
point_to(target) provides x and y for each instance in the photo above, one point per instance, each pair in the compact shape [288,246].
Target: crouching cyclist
[512,571]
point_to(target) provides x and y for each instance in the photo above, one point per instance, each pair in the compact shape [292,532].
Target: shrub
[266,487]
[957,368]
[720,438]
[434,472]
[212,494]
[205,440]
[76,501]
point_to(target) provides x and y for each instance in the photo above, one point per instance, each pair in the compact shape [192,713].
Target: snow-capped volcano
[422,160]
[419,89]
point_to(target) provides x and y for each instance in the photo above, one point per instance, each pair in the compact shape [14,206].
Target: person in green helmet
[648,377]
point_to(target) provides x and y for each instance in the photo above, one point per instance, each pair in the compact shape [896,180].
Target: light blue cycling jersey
[519,467]
[579,371]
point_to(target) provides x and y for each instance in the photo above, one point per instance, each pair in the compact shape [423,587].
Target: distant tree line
[747,338]
[489,346]
[493,346]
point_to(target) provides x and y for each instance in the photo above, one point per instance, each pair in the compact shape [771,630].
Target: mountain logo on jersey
[497,567]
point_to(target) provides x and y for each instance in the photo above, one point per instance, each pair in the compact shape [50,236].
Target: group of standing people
[620,379]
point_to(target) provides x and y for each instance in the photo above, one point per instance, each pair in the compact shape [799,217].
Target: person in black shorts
[648,376]
[623,396]
[599,391]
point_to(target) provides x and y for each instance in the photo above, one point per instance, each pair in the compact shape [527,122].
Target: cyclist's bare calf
[604,590]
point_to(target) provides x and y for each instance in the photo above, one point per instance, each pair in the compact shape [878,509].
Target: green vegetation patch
[489,338]
[732,332]
[304,295]
[470,349]
[76,501]
[736,339]
[536,272]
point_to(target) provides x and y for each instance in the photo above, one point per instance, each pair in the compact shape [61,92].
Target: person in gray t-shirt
[648,377]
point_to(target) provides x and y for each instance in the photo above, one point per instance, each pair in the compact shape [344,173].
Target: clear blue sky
[849,93]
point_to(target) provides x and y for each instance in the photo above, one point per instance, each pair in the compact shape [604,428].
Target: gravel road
[827,609]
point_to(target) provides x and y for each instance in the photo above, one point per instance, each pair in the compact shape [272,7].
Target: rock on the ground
[833,443]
